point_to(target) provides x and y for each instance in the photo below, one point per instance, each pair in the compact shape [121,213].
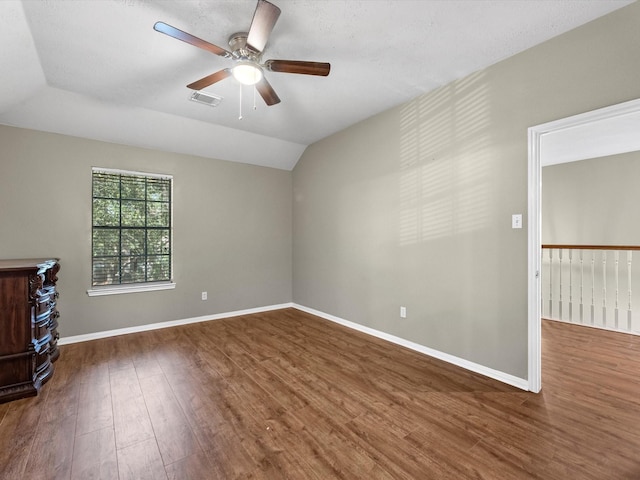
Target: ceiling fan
[246,49]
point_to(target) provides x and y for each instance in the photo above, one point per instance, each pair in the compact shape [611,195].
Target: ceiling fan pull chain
[240,106]
[254,98]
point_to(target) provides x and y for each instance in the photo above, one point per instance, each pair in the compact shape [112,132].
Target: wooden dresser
[28,325]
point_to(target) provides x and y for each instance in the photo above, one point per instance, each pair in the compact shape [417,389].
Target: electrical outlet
[204,295]
[403,312]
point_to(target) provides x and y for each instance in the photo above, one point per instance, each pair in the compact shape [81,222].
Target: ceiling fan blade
[188,38]
[210,79]
[267,92]
[295,66]
[264,19]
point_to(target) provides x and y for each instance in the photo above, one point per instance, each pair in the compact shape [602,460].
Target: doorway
[598,133]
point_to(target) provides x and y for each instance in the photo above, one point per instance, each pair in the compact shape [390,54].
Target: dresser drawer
[41,330]
[43,303]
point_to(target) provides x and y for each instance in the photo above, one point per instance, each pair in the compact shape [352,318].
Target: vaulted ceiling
[97,69]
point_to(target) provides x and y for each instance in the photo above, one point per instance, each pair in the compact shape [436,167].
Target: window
[131,234]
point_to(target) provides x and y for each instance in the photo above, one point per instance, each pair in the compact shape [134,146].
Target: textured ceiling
[97,69]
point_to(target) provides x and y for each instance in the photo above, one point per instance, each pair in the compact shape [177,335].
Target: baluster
[604,288]
[560,284]
[551,283]
[629,252]
[593,287]
[581,252]
[570,285]
[616,258]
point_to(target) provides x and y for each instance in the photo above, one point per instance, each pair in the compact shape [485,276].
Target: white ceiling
[97,69]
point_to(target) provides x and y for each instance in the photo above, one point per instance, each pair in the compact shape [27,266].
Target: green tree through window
[131,228]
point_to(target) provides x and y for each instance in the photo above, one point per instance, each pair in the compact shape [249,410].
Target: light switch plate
[516,220]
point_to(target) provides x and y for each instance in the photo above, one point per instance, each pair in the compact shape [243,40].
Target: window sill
[120,289]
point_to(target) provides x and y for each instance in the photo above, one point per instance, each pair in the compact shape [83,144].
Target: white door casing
[606,131]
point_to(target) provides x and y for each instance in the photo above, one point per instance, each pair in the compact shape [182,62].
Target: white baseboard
[172,323]
[597,327]
[460,362]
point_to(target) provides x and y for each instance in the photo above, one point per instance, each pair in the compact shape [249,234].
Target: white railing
[591,285]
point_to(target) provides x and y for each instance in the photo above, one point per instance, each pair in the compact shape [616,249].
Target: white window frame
[96,291]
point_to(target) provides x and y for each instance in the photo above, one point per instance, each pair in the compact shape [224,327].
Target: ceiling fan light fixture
[247,73]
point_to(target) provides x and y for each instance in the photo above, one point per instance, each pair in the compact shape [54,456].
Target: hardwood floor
[285,395]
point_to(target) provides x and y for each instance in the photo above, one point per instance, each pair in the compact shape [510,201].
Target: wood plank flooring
[286,395]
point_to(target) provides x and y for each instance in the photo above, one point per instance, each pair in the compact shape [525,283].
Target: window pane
[158,190]
[106,271]
[133,187]
[106,185]
[133,241]
[133,270]
[158,241]
[131,237]
[106,242]
[159,267]
[106,213]
[133,213]
[157,214]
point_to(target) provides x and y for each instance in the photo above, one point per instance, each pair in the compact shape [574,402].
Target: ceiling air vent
[206,98]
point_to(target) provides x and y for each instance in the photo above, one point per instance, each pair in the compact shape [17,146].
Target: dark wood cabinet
[28,325]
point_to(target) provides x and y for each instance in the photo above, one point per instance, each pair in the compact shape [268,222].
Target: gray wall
[413,206]
[232,228]
[592,202]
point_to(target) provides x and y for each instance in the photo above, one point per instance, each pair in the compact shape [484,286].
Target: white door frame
[537,158]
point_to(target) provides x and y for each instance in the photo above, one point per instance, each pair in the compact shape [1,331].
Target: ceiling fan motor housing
[240,50]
